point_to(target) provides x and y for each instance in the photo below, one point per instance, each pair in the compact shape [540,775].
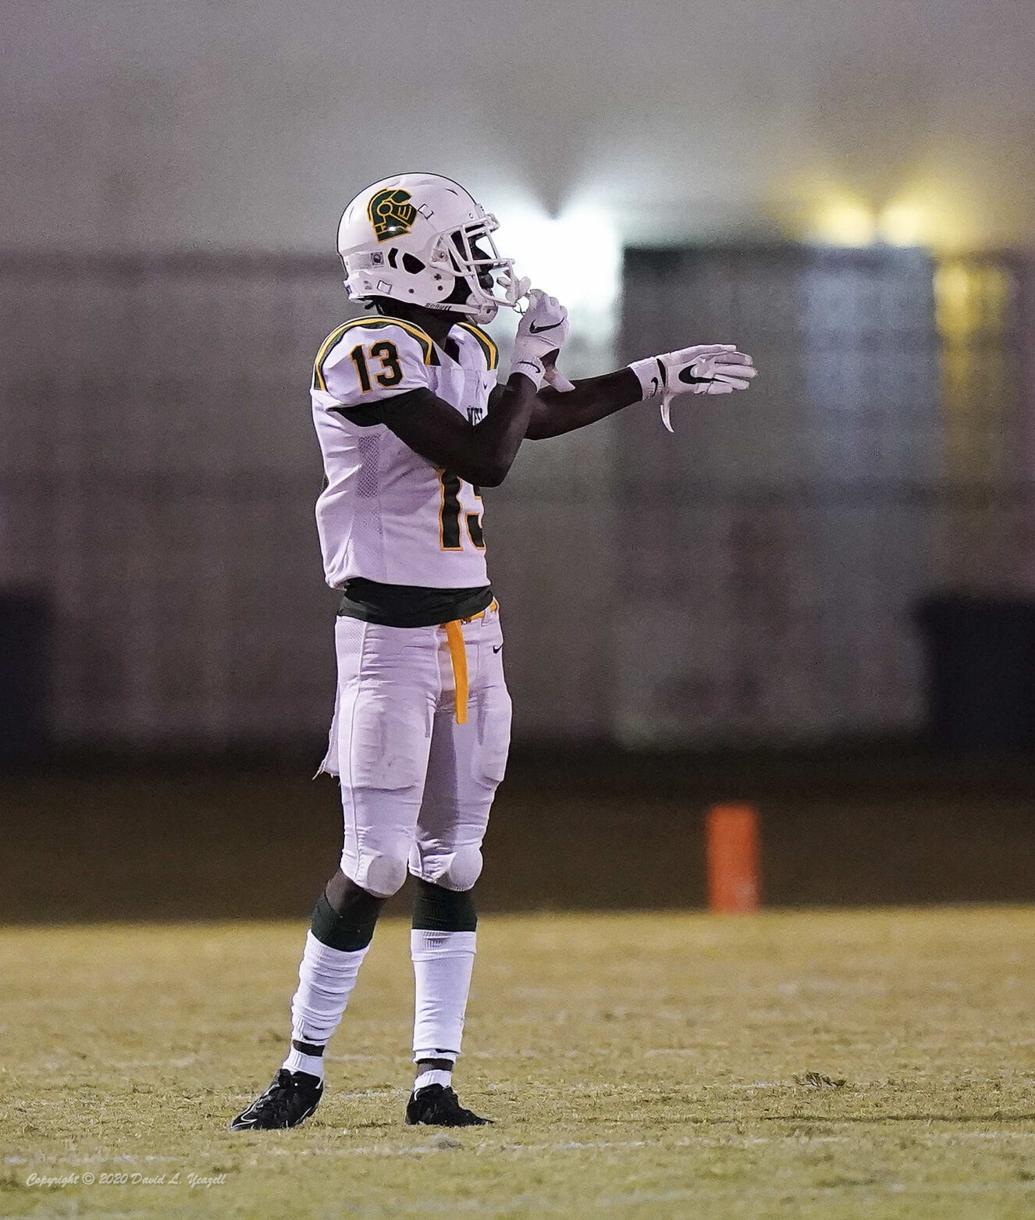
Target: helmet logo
[391,214]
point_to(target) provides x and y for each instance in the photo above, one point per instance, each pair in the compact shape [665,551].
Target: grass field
[637,1066]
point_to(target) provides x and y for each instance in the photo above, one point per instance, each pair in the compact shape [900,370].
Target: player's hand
[711,368]
[541,334]
[716,368]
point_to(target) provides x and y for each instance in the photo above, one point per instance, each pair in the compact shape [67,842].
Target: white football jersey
[387,514]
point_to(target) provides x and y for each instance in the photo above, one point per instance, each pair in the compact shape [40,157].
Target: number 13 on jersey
[454,516]
[391,370]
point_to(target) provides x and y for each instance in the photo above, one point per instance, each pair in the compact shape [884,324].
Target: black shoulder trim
[363,417]
[366,415]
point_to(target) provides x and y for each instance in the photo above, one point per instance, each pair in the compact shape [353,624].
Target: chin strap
[553,375]
[515,291]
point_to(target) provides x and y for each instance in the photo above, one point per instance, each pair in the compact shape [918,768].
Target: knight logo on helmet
[391,213]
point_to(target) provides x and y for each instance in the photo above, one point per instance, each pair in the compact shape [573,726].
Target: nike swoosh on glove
[711,368]
[541,334]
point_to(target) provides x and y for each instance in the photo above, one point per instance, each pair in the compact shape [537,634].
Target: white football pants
[416,786]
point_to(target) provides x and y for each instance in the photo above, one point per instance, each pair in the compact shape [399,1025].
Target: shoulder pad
[373,323]
[489,348]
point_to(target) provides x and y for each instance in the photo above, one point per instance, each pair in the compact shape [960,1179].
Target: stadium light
[920,217]
[575,255]
[844,220]
[905,222]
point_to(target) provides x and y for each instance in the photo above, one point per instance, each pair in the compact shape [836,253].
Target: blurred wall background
[846,192]
[130,124]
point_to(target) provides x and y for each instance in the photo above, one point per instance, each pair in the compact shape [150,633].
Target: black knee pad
[350,930]
[440,910]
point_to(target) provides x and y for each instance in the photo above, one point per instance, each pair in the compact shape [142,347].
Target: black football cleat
[289,1100]
[438,1106]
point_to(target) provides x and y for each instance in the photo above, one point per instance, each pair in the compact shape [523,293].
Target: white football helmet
[422,238]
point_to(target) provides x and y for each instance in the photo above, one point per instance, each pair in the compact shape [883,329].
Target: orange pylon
[733,863]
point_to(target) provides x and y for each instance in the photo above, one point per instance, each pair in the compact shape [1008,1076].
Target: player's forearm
[479,453]
[495,441]
[592,399]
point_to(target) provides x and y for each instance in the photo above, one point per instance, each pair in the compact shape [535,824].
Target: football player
[412,423]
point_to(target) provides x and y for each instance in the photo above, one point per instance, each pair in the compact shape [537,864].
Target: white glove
[541,334]
[715,368]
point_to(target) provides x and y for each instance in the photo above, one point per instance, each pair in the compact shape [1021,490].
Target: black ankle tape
[351,931]
[440,910]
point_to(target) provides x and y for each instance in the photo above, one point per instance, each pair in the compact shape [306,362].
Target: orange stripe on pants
[458,656]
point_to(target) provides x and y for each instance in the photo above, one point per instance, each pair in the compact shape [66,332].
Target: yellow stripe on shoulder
[424,339]
[491,351]
[325,350]
[370,322]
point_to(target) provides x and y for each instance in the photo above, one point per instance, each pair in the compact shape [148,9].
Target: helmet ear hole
[412,264]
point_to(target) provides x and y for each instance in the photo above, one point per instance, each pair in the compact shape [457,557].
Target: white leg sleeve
[325,981]
[442,965]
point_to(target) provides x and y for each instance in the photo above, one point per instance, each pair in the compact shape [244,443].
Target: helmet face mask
[422,239]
